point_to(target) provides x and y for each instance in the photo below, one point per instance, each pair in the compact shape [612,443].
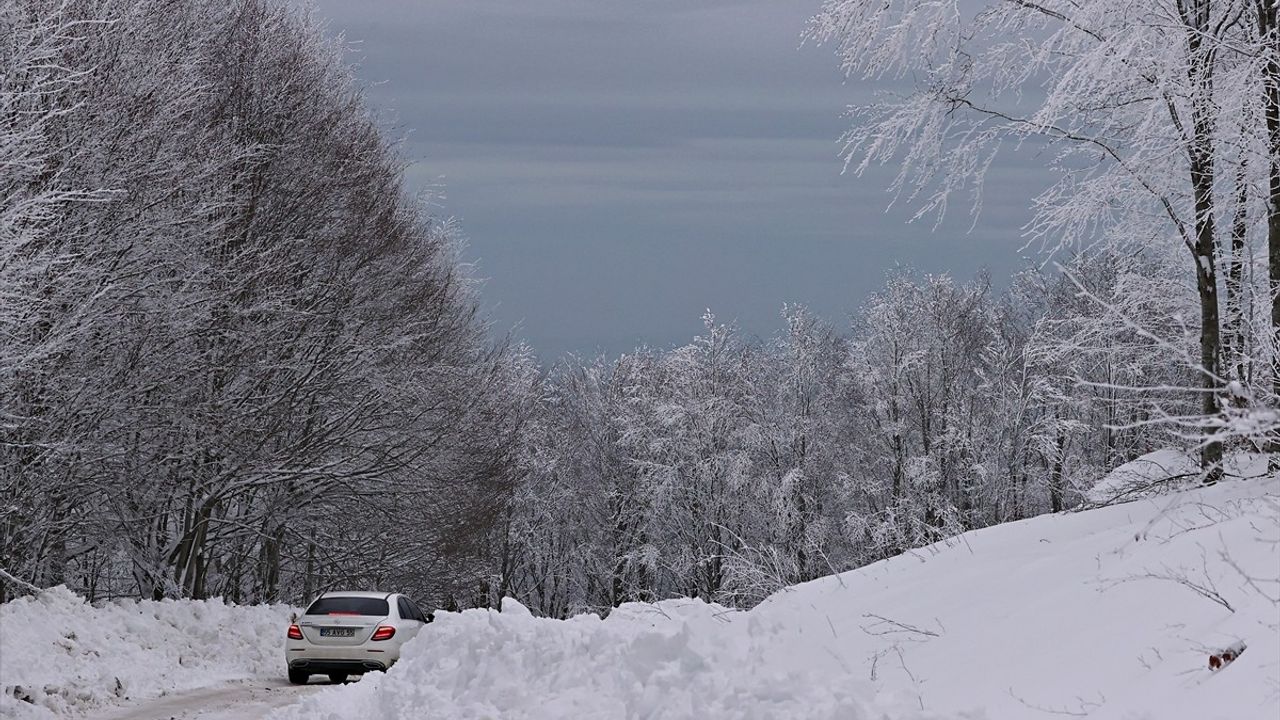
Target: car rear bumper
[300,654]
[324,666]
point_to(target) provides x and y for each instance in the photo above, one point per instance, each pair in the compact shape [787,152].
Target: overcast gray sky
[619,166]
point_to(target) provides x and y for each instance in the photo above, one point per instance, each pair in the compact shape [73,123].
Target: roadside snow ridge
[1107,613]
[61,656]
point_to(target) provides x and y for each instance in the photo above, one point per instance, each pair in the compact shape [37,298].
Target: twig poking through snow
[1086,706]
[890,627]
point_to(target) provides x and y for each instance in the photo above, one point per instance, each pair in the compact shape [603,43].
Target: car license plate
[337,632]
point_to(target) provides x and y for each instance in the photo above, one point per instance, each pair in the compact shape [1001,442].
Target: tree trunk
[1269,31]
[1207,285]
[269,565]
[1057,491]
[309,582]
[1200,73]
[1235,350]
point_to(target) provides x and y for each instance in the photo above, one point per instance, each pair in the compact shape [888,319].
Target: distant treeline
[728,469]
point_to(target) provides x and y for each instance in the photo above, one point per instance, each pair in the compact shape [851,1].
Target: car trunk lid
[338,629]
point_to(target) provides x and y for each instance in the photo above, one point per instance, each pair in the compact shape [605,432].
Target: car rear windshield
[349,606]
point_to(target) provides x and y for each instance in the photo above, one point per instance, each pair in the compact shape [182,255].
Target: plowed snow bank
[1108,613]
[60,656]
[1162,470]
[673,659]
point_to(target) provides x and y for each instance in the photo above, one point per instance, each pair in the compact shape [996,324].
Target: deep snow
[60,656]
[1158,471]
[1103,613]
[1107,613]
[677,658]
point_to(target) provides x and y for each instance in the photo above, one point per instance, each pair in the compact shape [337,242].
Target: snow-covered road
[240,700]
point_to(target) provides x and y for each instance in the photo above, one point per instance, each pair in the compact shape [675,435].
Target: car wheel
[299,677]
[337,678]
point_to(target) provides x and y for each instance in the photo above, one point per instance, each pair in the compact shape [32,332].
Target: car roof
[357,593]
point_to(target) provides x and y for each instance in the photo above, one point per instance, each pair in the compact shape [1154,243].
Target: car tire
[299,677]
[337,678]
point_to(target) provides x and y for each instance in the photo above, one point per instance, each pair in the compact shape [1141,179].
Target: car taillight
[295,632]
[383,632]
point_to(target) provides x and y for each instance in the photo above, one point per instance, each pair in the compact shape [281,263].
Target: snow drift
[1166,469]
[62,656]
[1108,613]
[677,658]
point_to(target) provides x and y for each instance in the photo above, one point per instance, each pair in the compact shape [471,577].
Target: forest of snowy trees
[238,359]
[728,469]
[235,358]
[1161,121]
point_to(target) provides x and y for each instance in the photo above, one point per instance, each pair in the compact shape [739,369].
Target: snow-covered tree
[1140,106]
[237,345]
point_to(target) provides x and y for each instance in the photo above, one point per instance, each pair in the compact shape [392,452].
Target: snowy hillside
[60,656]
[1108,613]
[1157,471]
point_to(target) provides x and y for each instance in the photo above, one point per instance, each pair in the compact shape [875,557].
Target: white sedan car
[350,633]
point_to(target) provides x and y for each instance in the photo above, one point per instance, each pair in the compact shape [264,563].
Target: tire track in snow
[241,700]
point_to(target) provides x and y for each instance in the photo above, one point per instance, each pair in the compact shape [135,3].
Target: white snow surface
[1104,613]
[673,659]
[62,657]
[1154,472]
